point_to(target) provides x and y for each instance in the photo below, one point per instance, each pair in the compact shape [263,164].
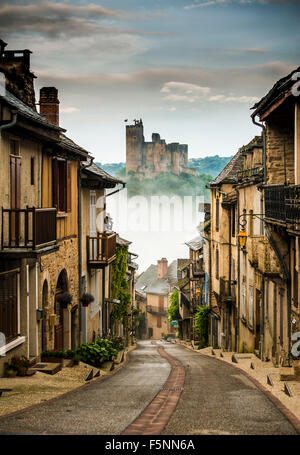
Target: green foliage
[118,343]
[210,164]
[69,354]
[169,184]
[120,287]
[173,309]
[95,353]
[201,326]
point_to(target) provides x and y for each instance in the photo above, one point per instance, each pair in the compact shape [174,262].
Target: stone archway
[59,332]
[45,302]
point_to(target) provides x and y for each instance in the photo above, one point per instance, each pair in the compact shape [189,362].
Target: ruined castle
[147,159]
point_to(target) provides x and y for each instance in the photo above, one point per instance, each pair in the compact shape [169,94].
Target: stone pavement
[290,406]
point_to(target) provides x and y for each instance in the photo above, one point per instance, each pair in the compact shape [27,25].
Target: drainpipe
[230,253]
[12,123]
[238,281]
[82,314]
[262,126]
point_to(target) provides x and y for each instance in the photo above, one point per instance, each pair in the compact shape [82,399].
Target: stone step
[48,368]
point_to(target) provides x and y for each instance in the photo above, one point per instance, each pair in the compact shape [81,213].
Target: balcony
[248,173]
[30,229]
[101,249]
[157,310]
[227,290]
[197,268]
[282,205]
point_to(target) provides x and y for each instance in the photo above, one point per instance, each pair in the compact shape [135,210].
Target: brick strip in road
[157,414]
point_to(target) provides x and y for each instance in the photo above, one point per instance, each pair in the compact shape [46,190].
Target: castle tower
[134,146]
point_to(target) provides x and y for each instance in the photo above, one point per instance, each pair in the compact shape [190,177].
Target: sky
[191,69]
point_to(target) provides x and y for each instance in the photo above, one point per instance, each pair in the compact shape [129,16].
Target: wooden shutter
[69,187]
[9,305]
[55,183]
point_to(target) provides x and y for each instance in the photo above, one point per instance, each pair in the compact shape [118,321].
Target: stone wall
[51,265]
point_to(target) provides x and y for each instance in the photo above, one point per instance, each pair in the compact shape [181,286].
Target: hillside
[211,165]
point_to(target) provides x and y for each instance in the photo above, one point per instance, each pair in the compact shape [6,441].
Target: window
[62,185]
[32,170]
[14,147]
[251,306]
[217,264]
[217,213]
[251,223]
[233,222]
[159,322]
[244,298]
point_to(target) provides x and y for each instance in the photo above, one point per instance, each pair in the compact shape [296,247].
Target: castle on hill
[147,159]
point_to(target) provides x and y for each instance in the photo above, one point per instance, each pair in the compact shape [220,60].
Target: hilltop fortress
[147,159]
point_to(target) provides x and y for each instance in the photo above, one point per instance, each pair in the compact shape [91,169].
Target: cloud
[197,4]
[182,91]
[69,110]
[257,51]
[53,19]
[204,4]
[234,99]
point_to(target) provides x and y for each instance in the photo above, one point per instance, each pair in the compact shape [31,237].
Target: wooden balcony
[101,250]
[198,268]
[29,229]
[227,290]
[157,310]
[282,205]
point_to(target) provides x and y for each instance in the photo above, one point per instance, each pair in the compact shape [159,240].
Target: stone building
[147,159]
[279,114]
[156,285]
[39,223]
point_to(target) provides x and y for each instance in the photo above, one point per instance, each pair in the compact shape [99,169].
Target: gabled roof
[196,243]
[229,173]
[280,87]
[257,141]
[149,283]
[96,170]
[26,111]
[67,143]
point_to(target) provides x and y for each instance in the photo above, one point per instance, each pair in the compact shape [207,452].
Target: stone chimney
[49,104]
[162,268]
[15,65]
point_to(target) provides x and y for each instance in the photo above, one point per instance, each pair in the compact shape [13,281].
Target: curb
[289,415]
[101,378]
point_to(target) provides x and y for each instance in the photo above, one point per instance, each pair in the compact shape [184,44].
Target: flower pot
[22,371]
[10,373]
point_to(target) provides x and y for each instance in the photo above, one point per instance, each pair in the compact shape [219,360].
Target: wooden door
[59,328]
[257,319]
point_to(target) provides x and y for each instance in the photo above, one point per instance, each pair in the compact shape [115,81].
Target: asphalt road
[217,399]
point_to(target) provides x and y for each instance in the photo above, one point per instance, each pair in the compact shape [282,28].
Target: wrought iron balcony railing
[282,204]
[101,249]
[28,229]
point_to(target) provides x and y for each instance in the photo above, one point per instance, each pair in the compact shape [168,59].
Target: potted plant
[20,364]
[11,368]
[86,299]
[53,356]
[64,299]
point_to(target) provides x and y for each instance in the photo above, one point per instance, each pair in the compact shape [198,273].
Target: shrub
[201,326]
[95,353]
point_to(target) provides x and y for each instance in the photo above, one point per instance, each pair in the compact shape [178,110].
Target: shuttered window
[62,185]
[217,213]
[9,305]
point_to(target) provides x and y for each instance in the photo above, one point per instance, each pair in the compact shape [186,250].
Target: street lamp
[242,236]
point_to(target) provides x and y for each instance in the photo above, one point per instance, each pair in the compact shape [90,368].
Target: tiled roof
[96,170]
[284,84]
[148,283]
[67,143]
[27,112]
[195,244]
[257,141]
[230,171]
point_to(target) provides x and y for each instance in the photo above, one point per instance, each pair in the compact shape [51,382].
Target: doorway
[62,286]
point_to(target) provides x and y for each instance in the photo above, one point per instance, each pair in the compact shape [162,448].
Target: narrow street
[216,399]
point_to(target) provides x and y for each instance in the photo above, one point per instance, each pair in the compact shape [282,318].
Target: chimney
[49,104]
[162,268]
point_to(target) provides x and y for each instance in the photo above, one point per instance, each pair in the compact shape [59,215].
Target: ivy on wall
[201,325]
[120,287]
[173,309]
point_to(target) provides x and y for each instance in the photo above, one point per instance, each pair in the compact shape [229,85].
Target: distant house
[156,285]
